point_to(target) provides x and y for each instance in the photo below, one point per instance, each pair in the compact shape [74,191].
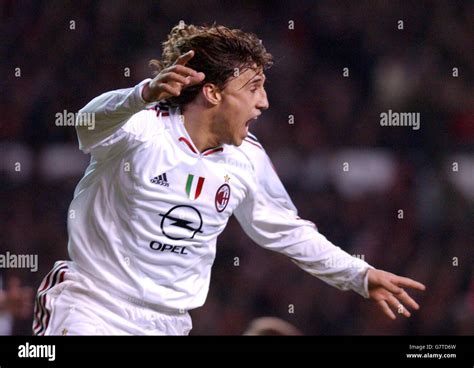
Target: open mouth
[247,124]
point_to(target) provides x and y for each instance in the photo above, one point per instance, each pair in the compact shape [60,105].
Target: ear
[212,93]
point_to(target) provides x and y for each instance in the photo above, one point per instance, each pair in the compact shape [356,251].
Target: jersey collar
[183,138]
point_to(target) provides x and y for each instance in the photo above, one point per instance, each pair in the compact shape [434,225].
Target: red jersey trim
[188,143]
[254,143]
[210,151]
[213,150]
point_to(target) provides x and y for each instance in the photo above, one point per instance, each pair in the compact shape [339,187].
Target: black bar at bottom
[411,351]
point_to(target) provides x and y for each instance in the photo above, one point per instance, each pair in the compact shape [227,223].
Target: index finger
[183,59]
[406,282]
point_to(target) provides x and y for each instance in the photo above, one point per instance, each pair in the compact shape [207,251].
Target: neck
[198,125]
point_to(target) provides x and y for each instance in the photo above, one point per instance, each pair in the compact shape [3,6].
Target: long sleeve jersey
[146,215]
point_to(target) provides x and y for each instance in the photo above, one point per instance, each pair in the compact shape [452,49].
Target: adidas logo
[161,180]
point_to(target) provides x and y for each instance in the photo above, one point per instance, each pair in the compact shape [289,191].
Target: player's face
[243,100]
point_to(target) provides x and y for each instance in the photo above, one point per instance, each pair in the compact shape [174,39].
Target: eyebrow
[255,79]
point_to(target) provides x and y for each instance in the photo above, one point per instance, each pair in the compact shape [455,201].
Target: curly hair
[219,53]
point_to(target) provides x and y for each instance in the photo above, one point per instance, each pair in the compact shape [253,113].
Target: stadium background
[336,119]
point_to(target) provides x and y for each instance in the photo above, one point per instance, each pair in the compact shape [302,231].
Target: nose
[262,103]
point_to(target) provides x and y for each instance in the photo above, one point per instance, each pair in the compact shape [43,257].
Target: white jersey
[146,215]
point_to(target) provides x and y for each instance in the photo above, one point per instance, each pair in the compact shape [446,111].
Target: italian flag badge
[194,186]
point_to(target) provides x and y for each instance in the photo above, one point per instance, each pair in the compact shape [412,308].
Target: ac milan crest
[222,197]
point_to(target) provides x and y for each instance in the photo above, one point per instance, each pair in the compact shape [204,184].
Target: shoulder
[252,146]
[146,123]
[250,152]
[251,142]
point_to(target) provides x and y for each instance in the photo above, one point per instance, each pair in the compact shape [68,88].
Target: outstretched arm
[269,217]
[386,289]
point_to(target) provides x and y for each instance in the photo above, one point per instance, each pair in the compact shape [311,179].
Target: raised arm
[107,113]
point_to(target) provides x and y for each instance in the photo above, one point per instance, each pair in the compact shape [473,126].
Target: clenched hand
[172,80]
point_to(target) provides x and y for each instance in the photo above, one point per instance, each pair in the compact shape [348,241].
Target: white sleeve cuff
[362,279]
[141,86]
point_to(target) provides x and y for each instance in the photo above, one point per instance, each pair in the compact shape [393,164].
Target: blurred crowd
[338,66]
